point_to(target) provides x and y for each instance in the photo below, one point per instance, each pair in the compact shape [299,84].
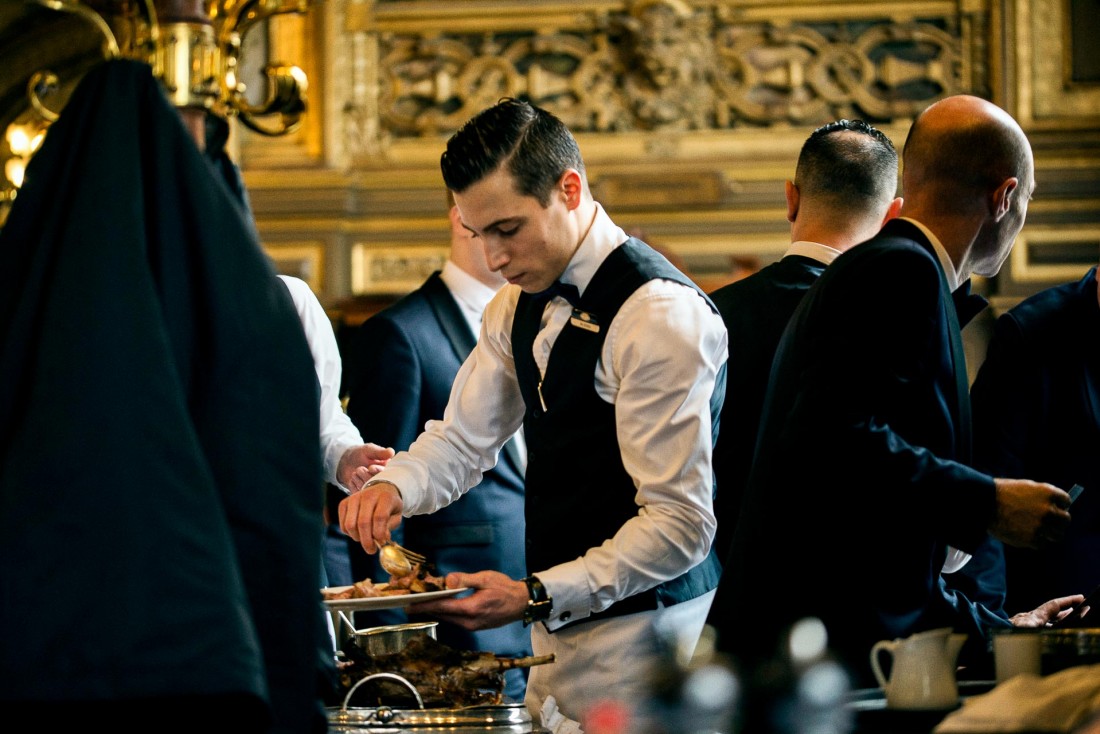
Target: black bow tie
[567,291]
[967,304]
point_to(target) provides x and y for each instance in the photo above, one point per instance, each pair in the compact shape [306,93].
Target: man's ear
[792,199]
[571,188]
[893,210]
[1001,199]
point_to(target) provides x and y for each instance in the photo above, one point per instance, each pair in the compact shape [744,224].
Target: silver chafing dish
[503,718]
[495,718]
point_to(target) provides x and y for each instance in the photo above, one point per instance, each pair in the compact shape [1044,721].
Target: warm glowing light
[23,141]
[18,140]
[14,170]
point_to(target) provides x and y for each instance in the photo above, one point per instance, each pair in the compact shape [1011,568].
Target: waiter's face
[527,243]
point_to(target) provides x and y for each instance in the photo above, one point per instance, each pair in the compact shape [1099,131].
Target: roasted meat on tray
[421,577]
[443,676]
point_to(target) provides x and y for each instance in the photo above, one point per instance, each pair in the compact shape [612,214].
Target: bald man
[861,472]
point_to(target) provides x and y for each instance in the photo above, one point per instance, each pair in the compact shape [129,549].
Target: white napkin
[956,559]
[1059,702]
[555,720]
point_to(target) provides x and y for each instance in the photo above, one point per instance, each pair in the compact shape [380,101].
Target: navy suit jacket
[1037,414]
[859,472]
[404,360]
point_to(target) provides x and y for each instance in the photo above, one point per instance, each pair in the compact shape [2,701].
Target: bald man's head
[968,174]
[965,144]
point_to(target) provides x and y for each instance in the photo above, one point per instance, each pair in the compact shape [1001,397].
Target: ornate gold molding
[690,113]
[1047,99]
[1045,254]
[393,269]
[304,259]
[652,66]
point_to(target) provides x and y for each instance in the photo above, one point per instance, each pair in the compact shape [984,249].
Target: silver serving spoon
[398,561]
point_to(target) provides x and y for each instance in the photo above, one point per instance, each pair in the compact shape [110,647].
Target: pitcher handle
[878,648]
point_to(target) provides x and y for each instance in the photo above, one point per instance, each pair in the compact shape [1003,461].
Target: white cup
[1017,651]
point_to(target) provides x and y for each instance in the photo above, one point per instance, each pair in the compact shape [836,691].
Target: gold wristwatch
[539,603]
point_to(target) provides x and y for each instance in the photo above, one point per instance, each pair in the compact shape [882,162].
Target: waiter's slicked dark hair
[536,147]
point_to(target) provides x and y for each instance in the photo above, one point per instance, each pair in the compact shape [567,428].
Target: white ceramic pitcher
[922,675]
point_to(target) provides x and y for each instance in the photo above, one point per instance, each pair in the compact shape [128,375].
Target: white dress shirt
[338,433]
[658,366]
[471,295]
[813,250]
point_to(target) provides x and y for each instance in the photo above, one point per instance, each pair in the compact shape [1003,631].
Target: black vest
[567,514]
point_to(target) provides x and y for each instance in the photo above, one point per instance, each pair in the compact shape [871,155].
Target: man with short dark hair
[843,192]
[613,362]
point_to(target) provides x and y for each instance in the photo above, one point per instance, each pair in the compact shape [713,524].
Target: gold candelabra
[196,58]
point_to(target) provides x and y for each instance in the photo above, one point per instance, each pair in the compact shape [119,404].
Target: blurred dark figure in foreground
[159,461]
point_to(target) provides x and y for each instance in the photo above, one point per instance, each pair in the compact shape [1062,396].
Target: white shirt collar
[813,250]
[471,294]
[603,237]
[945,260]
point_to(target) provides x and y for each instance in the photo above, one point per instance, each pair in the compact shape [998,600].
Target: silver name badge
[584,320]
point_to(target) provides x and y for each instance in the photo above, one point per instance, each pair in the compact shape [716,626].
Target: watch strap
[539,603]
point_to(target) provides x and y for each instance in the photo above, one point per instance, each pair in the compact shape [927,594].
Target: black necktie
[566,290]
[967,304]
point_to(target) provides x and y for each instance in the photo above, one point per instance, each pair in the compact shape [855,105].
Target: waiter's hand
[496,601]
[370,514]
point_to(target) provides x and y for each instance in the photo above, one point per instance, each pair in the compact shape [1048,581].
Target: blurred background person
[1036,403]
[405,361]
[159,541]
[348,460]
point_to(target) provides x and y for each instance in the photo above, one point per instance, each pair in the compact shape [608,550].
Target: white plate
[384,602]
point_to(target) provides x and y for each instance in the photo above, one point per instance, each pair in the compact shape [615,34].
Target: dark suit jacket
[755,310]
[158,434]
[858,473]
[1037,415]
[404,360]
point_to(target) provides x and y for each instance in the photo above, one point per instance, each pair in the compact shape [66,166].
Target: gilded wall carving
[657,65]
[690,113]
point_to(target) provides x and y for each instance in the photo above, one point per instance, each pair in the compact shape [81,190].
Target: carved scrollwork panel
[666,65]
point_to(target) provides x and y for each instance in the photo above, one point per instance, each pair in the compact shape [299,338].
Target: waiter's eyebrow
[496,225]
